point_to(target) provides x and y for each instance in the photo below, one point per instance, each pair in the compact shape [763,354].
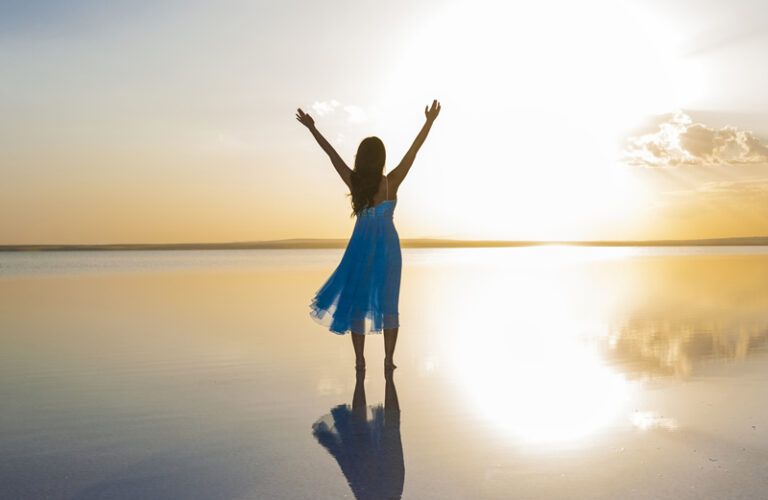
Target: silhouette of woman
[361,295]
[369,451]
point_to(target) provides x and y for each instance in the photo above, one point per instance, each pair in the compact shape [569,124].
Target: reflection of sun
[521,343]
[539,392]
[536,97]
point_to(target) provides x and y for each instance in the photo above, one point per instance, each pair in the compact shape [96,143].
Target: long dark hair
[366,176]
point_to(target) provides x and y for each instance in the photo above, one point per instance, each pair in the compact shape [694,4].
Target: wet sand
[541,372]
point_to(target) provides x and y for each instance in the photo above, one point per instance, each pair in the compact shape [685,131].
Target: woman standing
[361,296]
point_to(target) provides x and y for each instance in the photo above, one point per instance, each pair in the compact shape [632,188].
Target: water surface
[536,372]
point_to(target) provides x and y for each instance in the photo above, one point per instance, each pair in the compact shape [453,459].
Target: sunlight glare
[526,354]
[540,392]
[537,99]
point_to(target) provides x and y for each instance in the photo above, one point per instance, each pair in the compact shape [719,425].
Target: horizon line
[318,243]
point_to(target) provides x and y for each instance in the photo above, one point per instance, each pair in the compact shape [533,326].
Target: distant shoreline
[319,243]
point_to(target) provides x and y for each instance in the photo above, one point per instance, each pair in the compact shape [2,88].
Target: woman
[361,296]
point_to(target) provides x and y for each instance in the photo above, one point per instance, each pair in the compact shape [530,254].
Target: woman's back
[383,194]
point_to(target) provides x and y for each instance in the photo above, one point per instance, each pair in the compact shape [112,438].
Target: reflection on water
[687,311]
[196,374]
[648,346]
[540,394]
[645,420]
[365,441]
[549,345]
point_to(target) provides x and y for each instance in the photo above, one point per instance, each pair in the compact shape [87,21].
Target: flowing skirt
[361,295]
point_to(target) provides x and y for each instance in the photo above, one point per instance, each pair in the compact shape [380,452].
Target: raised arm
[396,176]
[344,171]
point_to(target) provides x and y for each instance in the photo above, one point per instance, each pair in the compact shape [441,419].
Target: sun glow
[540,394]
[537,97]
[526,355]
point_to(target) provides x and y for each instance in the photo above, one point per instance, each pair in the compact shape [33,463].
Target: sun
[539,95]
[603,62]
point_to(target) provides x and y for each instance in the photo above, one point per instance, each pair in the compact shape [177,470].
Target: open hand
[305,119]
[432,112]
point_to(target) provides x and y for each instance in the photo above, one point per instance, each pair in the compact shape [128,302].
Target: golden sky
[172,121]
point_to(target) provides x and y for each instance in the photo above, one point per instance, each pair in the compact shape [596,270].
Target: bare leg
[358,342]
[390,339]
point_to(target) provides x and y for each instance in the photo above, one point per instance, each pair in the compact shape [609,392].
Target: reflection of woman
[368,450]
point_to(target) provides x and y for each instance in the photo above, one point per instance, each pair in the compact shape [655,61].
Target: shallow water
[537,372]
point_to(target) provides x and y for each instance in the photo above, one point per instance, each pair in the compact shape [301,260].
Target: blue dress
[361,296]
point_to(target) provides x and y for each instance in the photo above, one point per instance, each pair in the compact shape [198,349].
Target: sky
[173,121]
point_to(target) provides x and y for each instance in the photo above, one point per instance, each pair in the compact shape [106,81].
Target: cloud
[355,114]
[325,107]
[679,142]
